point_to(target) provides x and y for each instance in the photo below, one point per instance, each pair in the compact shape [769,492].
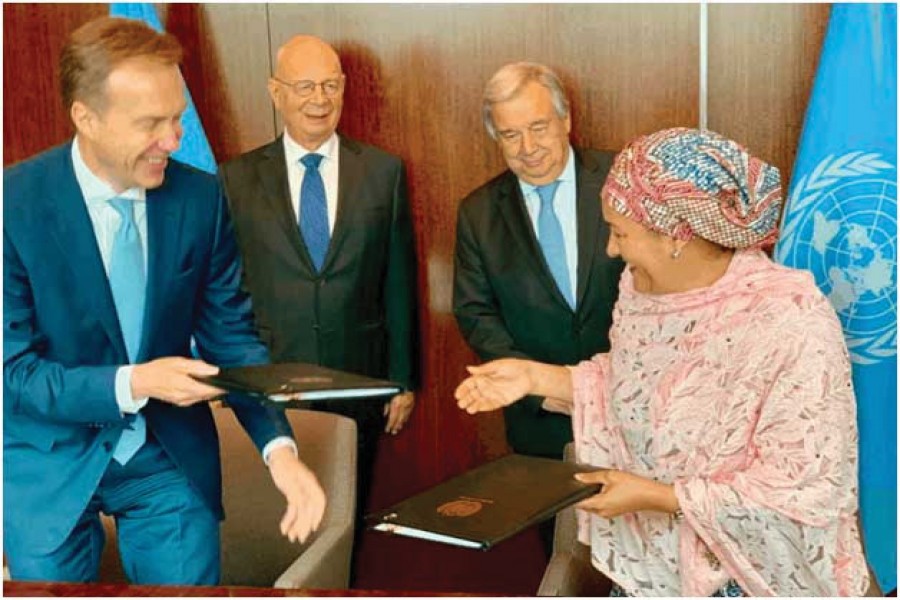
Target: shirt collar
[293,151]
[95,190]
[568,174]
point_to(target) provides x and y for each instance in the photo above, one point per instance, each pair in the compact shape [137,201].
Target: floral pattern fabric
[729,590]
[691,182]
[740,395]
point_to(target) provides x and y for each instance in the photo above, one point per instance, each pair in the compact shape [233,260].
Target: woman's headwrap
[687,182]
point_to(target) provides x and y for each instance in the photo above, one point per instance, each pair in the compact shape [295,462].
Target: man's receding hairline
[298,41]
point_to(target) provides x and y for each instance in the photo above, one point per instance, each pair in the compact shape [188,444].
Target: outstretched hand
[493,385]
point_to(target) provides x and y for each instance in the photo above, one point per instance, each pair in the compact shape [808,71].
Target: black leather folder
[299,382]
[489,504]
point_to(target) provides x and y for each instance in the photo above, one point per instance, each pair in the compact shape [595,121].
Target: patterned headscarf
[686,182]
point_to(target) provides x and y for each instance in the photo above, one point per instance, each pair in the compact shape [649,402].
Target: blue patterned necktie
[550,236]
[128,284]
[314,211]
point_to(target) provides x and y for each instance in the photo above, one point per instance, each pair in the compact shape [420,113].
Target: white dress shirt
[106,220]
[328,169]
[565,207]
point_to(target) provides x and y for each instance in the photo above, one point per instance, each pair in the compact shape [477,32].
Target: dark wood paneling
[226,66]
[33,36]
[762,62]
[415,77]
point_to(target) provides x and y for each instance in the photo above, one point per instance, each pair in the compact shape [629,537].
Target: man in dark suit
[531,275]
[114,256]
[324,228]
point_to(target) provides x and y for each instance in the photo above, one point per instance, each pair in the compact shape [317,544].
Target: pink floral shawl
[740,395]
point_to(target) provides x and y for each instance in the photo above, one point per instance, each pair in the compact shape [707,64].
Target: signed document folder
[299,382]
[488,504]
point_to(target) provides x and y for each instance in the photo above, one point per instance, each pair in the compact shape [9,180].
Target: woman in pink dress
[724,410]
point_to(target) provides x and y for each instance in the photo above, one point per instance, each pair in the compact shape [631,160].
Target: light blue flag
[841,223]
[194,149]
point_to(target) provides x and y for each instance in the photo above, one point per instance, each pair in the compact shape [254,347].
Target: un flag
[841,223]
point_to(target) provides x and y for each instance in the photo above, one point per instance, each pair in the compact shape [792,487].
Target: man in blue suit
[114,255]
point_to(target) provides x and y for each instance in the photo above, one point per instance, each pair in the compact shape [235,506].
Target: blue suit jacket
[62,343]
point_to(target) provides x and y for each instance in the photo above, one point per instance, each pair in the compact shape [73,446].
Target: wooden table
[40,588]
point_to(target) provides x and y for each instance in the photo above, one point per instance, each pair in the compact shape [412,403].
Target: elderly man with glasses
[324,228]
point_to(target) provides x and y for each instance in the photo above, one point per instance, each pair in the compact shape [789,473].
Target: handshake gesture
[501,382]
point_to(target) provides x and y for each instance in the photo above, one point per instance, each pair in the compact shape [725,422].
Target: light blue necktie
[314,211]
[550,236]
[128,284]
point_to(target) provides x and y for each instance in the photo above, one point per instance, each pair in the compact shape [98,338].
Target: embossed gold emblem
[463,507]
[310,379]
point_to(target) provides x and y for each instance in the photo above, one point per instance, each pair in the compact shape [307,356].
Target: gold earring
[676,253]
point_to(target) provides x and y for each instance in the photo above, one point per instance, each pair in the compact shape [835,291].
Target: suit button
[107,446]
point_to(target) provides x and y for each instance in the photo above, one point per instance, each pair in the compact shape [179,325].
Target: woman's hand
[625,493]
[494,385]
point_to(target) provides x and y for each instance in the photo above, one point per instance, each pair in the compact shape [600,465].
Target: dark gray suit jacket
[507,303]
[359,313]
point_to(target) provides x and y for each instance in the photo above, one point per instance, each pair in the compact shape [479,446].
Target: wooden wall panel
[226,67]
[415,77]
[415,90]
[762,62]
[33,36]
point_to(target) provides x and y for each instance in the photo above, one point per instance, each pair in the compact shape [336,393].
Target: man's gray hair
[510,79]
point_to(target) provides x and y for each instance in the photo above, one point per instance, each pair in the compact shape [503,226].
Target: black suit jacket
[358,314]
[507,303]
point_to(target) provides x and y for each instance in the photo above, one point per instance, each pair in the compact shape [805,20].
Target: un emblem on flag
[842,226]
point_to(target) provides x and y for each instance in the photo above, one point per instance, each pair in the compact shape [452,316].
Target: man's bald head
[308,89]
[304,49]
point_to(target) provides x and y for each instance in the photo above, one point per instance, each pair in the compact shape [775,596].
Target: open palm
[493,385]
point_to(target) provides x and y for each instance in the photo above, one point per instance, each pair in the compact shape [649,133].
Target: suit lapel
[587,186]
[351,172]
[70,227]
[519,226]
[272,172]
[165,214]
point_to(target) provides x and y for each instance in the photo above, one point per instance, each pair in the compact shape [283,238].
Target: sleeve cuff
[127,404]
[278,443]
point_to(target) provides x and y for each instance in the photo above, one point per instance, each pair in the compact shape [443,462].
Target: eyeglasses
[305,88]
